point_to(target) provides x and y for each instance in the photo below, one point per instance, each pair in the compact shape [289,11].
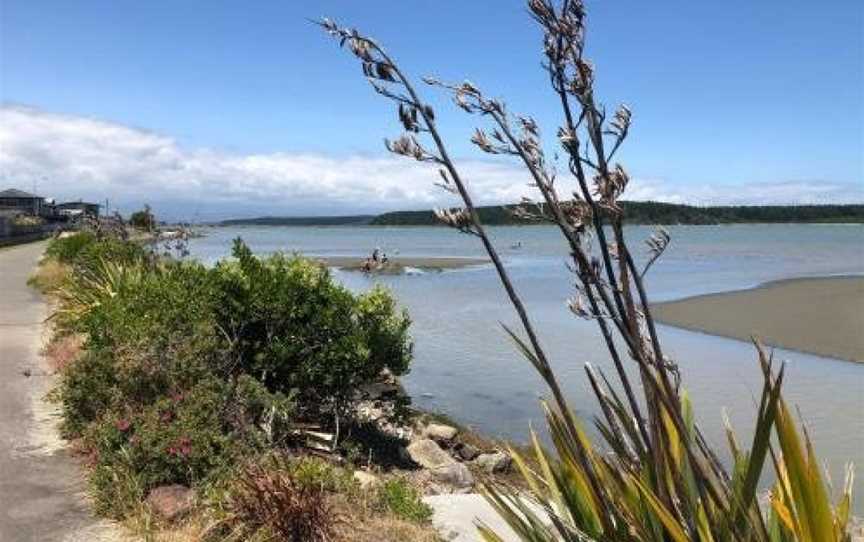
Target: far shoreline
[821,316]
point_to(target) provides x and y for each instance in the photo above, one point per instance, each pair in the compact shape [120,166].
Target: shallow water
[466,367]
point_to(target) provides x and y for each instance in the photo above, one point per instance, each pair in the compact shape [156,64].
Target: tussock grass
[49,276]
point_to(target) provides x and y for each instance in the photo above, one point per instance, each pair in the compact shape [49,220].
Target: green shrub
[143,219]
[401,499]
[257,407]
[183,438]
[296,329]
[87,388]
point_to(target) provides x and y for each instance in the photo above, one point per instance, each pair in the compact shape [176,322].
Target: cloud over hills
[71,157]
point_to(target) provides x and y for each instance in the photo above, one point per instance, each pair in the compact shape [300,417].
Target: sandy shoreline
[822,316]
[399,263]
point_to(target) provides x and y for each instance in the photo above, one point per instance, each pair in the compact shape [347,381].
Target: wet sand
[399,263]
[822,316]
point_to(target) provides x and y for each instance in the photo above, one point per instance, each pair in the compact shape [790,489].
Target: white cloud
[76,157]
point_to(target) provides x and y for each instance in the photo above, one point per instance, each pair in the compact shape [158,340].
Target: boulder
[377,390]
[171,502]
[365,479]
[455,474]
[439,431]
[467,452]
[493,463]
[426,453]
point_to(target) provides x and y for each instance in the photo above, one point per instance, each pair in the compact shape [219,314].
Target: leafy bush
[87,388]
[296,329]
[401,499]
[143,219]
[181,438]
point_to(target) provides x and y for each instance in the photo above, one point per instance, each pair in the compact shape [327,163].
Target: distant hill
[299,221]
[651,212]
[637,212]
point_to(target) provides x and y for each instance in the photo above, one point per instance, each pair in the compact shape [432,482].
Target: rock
[368,411]
[426,453]
[455,474]
[171,502]
[387,376]
[467,452]
[493,463]
[377,390]
[456,517]
[439,431]
[365,479]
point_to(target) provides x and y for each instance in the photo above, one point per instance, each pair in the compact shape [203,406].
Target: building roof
[20,194]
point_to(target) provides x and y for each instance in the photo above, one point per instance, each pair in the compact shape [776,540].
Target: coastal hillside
[653,212]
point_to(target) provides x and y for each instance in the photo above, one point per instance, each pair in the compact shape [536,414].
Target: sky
[220,109]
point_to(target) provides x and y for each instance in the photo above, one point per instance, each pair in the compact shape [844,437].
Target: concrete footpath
[41,487]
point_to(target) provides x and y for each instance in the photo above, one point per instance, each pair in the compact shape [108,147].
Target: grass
[401,499]
[49,276]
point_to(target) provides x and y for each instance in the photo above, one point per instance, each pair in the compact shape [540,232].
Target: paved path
[41,488]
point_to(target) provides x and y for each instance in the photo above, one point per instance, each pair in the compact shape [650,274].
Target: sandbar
[822,316]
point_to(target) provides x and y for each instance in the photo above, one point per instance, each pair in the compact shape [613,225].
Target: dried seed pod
[457,218]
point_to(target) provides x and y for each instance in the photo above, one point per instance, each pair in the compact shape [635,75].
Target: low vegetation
[171,372]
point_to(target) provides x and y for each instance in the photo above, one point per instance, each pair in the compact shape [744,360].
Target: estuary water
[465,365]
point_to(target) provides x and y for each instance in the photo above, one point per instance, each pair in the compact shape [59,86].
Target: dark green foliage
[180,438]
[653,212]
[87,389]
[294,328]
[143,219]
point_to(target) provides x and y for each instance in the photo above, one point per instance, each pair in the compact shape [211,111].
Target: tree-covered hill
[652,212]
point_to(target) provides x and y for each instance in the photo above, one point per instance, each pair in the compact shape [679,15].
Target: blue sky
[249,109]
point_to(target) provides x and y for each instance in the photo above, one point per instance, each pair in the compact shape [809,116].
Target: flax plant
[654,477]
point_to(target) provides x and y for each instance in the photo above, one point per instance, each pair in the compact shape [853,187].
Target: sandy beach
[823,316]
[399,263]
